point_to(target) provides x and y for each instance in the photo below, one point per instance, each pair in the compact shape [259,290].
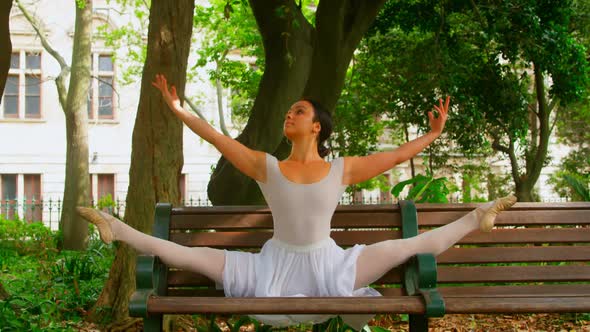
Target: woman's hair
[322,115]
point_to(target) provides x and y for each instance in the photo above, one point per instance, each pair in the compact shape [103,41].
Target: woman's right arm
[248,161]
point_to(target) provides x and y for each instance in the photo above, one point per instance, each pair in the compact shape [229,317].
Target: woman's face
[299,121]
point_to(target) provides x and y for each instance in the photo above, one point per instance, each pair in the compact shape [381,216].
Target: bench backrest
[533,243]
[538,234]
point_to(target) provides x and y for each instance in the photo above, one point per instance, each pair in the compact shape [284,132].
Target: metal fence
[49,211]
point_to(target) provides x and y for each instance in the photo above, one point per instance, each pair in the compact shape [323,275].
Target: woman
[302,191]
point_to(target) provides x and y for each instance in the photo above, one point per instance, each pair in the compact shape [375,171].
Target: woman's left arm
[359,169]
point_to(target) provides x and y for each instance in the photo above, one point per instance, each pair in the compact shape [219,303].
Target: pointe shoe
[487,221]
[99,219]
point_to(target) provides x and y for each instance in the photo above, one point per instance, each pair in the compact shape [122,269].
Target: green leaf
[378,329]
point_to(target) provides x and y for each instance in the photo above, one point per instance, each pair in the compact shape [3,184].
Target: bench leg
[418,323]
[153,323]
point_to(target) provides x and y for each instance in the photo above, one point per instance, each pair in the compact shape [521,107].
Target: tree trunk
[5,7]
[156,157]
[77,183]
[300,61]
[540,131]
[524,191]
[288,58]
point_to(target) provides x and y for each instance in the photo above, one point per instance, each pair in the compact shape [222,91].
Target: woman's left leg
[377,259]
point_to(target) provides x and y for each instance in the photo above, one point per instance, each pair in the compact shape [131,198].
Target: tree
[156,158]
[5,8]
[73,101]
[510,66]
[301,59]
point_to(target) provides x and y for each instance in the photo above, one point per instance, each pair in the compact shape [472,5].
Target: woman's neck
[304,153]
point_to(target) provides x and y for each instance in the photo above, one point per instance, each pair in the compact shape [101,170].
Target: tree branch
[544,129]
[219,89]
[194,108]
[509,150]
[41,33]
[478,14]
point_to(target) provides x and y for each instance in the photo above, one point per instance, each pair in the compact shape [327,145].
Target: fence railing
[49,210]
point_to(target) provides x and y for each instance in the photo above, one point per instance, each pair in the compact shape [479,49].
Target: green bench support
[151,274]
[420,273]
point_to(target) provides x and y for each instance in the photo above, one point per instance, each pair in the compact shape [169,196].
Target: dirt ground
[449,323]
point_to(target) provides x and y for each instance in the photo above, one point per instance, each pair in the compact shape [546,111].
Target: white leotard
[302,212]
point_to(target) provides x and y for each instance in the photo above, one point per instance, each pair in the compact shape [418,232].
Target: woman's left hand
[437,124]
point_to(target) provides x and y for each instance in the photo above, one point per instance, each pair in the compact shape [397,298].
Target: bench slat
[263,220]
[233,240]
[514,254]
[286,305]
[498,274]
[495,305]
[560,290]
[363,305]
[446,274]
[529,235]
[510,217]
[179,278]
[387,208]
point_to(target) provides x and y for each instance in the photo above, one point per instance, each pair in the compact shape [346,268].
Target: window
[32,97]
[101,185]
[8,195]
[101,92]
[22,94]
[11,97]
[15,61]
[106,185]
[33,201]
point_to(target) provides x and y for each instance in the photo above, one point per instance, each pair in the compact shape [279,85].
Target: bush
[48,289]
[26,237]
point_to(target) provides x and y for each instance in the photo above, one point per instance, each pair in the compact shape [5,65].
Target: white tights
[374,261]
[203,260]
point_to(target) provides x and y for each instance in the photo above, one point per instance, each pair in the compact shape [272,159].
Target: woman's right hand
[169,96]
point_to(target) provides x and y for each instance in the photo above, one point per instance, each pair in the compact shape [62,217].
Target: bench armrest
[420,271]
[145,285]
[150,273]
[420,278]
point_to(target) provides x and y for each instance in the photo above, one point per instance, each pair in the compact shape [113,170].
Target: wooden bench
[537,260]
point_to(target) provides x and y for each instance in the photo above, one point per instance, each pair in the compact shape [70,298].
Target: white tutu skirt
[281,269]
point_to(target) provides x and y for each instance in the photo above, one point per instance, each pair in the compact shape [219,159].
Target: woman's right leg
[203,260]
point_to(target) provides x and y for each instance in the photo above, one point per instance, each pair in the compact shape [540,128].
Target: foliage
[106,202]
[231,50]
[499,185]
[426,189]
[130,37]
[573,129]
[335,324]
[49,290]
[576,167]
[473,176]
[579,187]
[25,238]
[484,56]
